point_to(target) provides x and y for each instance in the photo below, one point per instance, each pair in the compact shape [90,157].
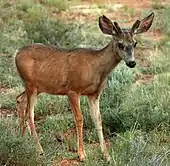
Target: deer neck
[109,58]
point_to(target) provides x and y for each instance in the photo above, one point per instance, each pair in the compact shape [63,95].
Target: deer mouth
[131,64]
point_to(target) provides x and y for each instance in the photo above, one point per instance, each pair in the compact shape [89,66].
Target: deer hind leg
[96,116]
[31,98]
[74,100]
[21,108]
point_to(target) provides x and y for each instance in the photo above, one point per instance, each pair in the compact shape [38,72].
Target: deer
[75,73]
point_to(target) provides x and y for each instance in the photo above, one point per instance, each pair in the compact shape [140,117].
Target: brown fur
[58,71]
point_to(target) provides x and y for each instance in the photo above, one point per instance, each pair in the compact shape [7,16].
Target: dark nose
[131,64]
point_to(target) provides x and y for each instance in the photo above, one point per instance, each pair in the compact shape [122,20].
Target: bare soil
[3,89]
[144,79]
[89,10]
[7,113]
[66,162]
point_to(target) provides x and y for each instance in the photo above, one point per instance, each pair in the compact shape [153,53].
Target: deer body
[74,72]
[80,70]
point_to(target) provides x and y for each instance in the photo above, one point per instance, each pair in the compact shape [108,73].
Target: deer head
[123,41]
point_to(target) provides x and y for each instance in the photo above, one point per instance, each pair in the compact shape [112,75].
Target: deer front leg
[74,100]
[96,116]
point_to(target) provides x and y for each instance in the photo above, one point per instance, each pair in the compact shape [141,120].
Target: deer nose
[131,64]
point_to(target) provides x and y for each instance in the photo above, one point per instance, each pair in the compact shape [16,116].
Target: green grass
[130,12]
[141,148]
[60,5]
[136,118]
[14,147]
[157,4]
[162,20]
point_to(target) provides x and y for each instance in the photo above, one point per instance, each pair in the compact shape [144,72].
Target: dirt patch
[66,162]
[95,144]
[155,34]
[129,3]
[121,10]
[143,79]
[143,57]
[117,10]
[3,89]
[69,133]
[84,13]
[4,113]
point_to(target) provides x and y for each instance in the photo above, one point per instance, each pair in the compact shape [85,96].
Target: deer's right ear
[106,25]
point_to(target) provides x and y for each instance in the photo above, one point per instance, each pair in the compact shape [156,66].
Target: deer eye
[135,44]
[120,45]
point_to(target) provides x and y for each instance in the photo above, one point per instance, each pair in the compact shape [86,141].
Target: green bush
[12,37]
[141,148]
[52,32]
[146,107]
[36,12]
[8,75]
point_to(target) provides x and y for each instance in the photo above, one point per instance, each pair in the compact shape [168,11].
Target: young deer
[75,72]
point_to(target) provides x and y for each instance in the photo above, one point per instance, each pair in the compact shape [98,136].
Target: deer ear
[106,25]
[145,24]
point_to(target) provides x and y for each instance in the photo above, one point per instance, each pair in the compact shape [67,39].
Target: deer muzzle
[131,64]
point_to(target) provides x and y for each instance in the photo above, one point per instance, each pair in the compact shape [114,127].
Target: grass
[162,21]
[157,4]
[60,5]
[136,118]
[130,12]
[13,146]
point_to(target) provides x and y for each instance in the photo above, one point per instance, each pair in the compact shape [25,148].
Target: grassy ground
[135,105]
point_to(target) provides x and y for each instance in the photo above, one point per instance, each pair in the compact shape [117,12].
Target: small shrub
[140,148]
[24,5]
[50,32]
[36,12]
[12,37]
[146,107]
[8,75]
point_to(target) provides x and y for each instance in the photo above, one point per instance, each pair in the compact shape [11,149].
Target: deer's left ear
[145,24]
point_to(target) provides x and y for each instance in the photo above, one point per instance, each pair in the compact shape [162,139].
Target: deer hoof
[41,154]
[82,156]
[39,150]
[107,156]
